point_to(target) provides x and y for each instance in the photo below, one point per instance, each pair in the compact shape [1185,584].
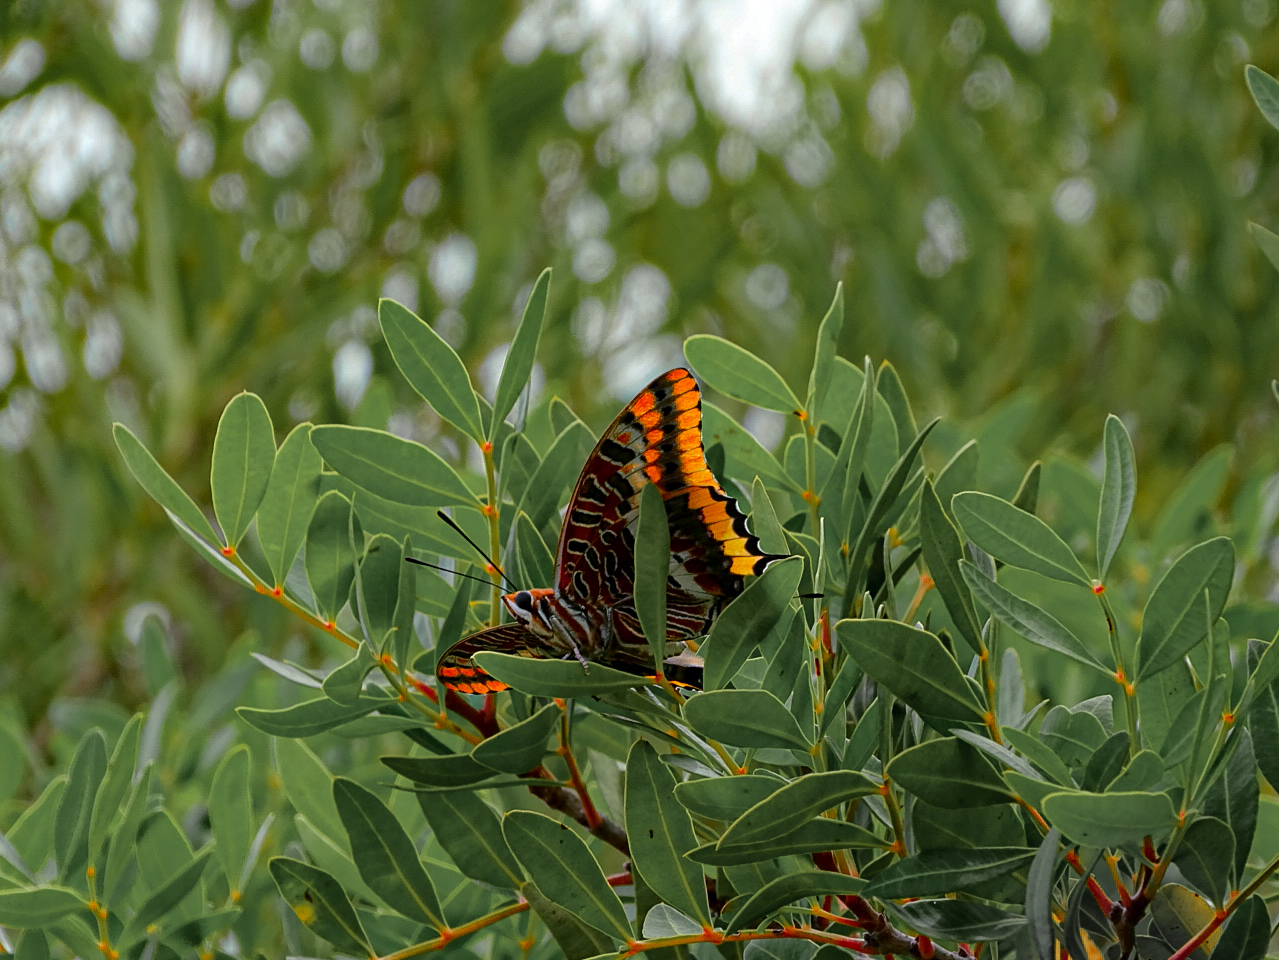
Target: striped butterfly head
[530,608]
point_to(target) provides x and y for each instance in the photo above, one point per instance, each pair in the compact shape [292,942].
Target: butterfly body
[590,614]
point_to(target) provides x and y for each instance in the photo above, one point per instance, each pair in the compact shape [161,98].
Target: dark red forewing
[656,439]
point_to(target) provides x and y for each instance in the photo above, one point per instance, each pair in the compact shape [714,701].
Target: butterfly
[590,612]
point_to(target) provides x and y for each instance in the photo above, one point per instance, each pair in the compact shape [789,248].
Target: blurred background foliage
[1038,210]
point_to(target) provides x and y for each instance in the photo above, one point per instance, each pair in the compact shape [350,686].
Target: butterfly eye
[524,600]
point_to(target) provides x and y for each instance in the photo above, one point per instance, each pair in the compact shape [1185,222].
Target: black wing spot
[619,485]
[616,453]
[593,493]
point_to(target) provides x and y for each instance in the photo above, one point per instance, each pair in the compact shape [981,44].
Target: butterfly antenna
[489,560]
[456,573]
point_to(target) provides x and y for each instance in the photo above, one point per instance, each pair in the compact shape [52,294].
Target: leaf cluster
[865,771]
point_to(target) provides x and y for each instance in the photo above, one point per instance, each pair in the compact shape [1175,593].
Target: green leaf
[960,920]
[523,353]
[1159,700]
[959,474]
[879,513]
[567,679]
[948,773]
[815,836]
[1235,799]
[726,798]
[931,873]
[321,904]
[1039,754]
[841,489]
[1035,624]
[403,635]
[308,786]
[1104,765]
[1027,495]
[243,457]
[559,468]
[764,519]
[471,834]
[576,940]
[330,561]
[1017,537]
[1143,771]
[309,717]
[162,487]
[996,751]
[536,563]
[387,466]
[1109,819]
[1265,91]
[565,871]
[1266,668]
[795,804]
[738,373]
[289,501]
[798,885]
[915,666]
[840,690]
[1072,929]
[520,748]
[380,571]
[1247,932]
[1179,913]
[121,854]
[35,907]
[890,387]
[231,814]
[33,945]
[345,684]
[115,785]
[652,569]
[824,352]
[660,834]
[744,454]
[1039,892]
[992,826]
[748,620]
[665,921]
[1206,857]
[1118,491]
[458,770]
[943,551]
[1173,622]
[432,368]
[75,807]
[1267,240]
[165,898]
[745,718]
[385,855]
[1263,724]
[1073,734]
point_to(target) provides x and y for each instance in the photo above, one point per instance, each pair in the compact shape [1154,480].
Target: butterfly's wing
[456,671]
[656,439]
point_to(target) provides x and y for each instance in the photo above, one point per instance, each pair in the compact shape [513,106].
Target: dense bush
[864,772]
[934,729]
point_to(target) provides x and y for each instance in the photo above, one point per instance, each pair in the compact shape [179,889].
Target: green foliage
[1103,722]
[1037,230]
[848,757]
